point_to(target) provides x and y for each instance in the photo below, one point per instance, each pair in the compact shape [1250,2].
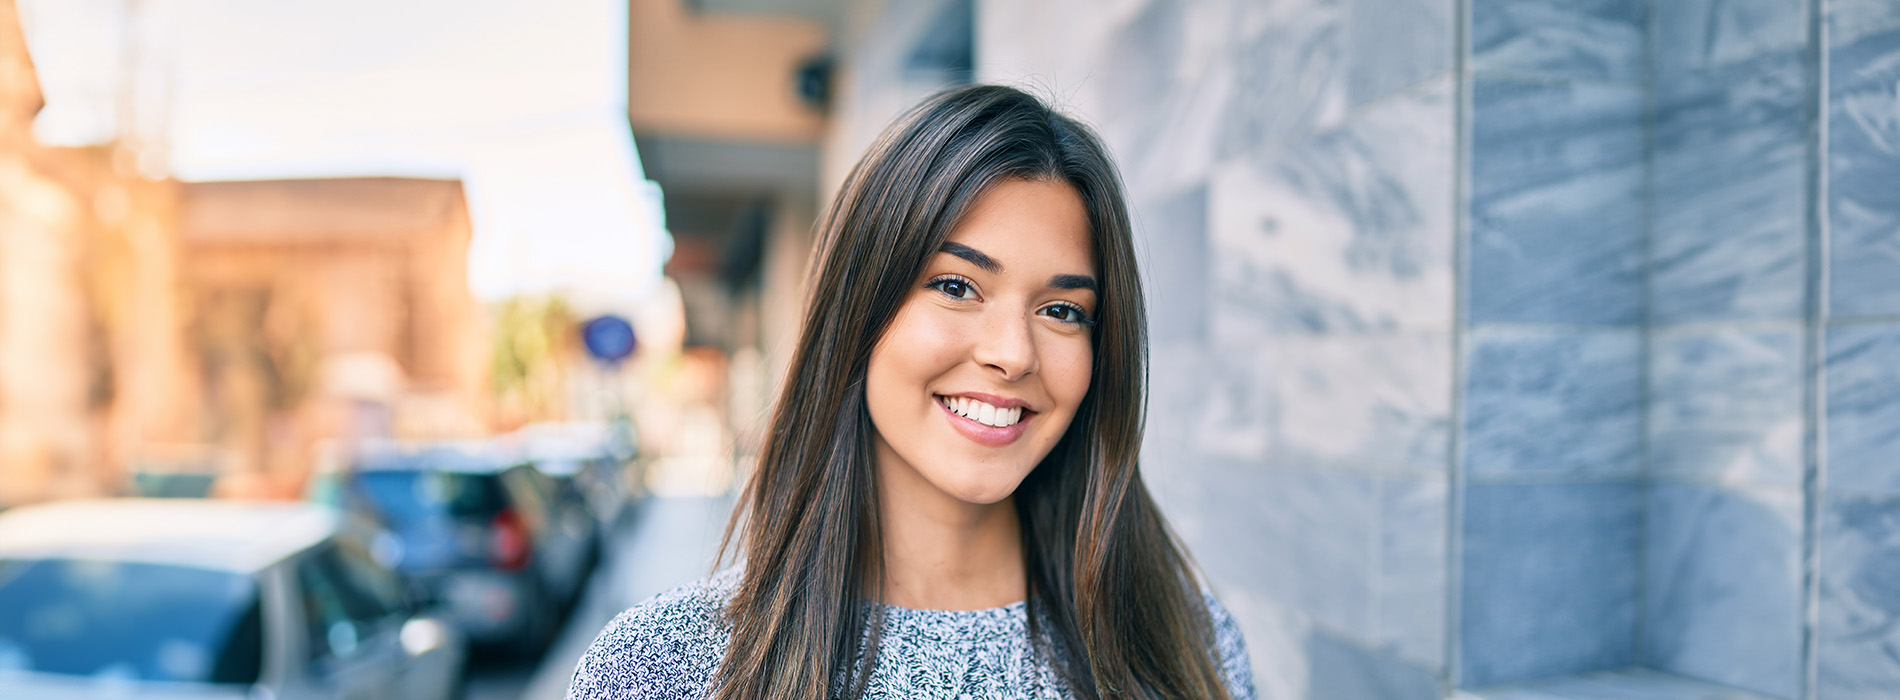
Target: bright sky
[522,99]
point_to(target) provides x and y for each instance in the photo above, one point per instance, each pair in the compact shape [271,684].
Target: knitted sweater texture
[670,646]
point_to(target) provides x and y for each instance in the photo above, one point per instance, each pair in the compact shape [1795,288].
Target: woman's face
[986,362]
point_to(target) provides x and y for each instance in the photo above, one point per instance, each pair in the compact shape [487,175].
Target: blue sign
[608,338]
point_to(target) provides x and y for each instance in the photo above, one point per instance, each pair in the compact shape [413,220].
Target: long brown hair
[1113,601]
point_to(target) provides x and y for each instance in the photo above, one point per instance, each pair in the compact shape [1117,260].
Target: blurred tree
[534,341]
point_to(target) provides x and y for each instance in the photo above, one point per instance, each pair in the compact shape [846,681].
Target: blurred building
[91,348]
[216,330]
[334,308]
[1505,349]
[725,125]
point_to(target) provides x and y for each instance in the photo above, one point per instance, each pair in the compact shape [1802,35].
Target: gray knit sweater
[669,646]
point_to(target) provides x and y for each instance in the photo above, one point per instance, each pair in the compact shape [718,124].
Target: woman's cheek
[1068,372]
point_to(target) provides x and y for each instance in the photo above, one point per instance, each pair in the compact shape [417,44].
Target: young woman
[948,503]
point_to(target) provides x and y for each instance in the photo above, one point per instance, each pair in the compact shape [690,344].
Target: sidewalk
[668,541]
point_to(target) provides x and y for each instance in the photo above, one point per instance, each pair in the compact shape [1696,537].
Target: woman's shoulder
[666,647]
[1236,666]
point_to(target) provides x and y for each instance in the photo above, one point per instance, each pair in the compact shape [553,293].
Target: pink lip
[983,434]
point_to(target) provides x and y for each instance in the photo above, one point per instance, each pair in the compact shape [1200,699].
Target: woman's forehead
[1033,223]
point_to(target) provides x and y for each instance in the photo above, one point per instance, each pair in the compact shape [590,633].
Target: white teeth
[982,412]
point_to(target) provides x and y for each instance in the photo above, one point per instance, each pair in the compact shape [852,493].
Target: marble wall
[1859,539]
[1729,240]
[1552,381]
[1290,169]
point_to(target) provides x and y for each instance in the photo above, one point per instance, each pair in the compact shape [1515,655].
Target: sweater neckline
[986,624]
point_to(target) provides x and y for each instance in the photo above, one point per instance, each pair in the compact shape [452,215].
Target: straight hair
[1113,601]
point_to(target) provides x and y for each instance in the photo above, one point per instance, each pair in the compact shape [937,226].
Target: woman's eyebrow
[976,257]
[1073,282]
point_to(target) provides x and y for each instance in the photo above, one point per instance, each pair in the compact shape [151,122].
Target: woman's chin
[981,492]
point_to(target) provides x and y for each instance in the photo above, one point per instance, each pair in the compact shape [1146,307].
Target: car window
[533,495]
[346,598]
[132,621]
[401,497]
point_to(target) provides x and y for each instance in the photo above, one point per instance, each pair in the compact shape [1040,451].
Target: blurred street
[665,542]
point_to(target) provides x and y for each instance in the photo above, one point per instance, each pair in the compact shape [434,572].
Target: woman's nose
[1006,345]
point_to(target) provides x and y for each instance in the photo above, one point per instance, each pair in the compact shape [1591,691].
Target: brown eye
[952,287]
[1068,313]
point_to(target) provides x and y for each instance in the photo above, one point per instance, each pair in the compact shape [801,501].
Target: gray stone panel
[1863,167]
[1348,230]
[1287,74]
[1593,39]
[1302,538]
[1410,591]
[1172,240]
[1346,401]
[1863,409]
[1730,161]
[1860,600]
[1395,44]
[1554,401]
[1723,585]
[1550,579]
[1726,404]
[1621,684]
[1341,670]
[1557,202]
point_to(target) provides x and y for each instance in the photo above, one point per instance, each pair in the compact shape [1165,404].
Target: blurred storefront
[330,309]
[200,335]
[723,125]
[153,331]
[92,353]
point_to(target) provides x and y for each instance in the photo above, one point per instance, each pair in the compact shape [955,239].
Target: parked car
[475,530]
[588,463]
[209,599]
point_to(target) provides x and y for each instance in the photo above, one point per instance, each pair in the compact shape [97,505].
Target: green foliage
[534,338]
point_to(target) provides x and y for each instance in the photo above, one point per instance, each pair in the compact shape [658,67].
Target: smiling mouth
[983,413]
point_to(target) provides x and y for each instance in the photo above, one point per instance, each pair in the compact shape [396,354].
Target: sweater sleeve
[662,649]
[1236,667]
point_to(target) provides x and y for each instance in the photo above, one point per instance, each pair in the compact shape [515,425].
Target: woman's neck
[941,553]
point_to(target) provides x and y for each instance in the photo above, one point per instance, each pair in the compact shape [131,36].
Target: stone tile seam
[1728,484]
[1462,82]
[1760,325]
[1367,468]
[1254,337]
[1518,76]
[1869,320]
[1882,498]
[1554,479]
[1646,352]
[1411,89]
[1814,398]
[1517,326]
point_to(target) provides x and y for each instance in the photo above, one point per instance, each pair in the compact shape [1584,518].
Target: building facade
[330,309]
[91,354]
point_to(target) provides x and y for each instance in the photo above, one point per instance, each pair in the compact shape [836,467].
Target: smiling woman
[949,503]
[985,364]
